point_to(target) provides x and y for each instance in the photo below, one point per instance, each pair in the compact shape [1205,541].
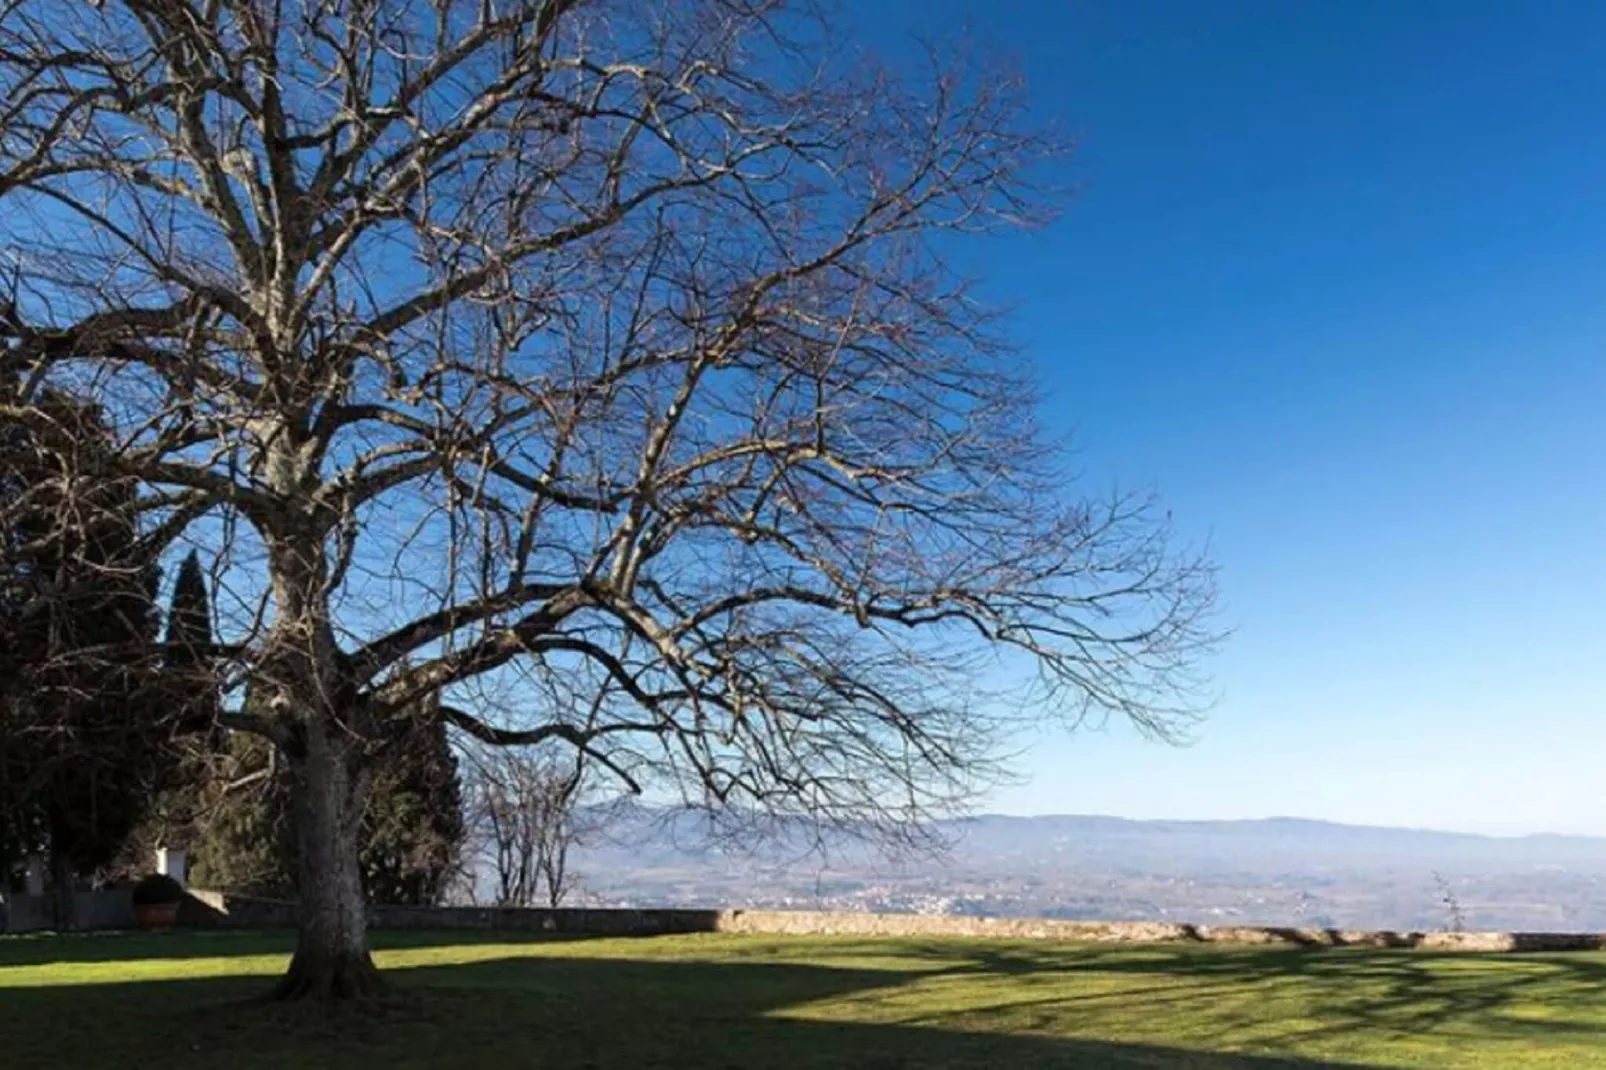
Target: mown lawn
[721,1002]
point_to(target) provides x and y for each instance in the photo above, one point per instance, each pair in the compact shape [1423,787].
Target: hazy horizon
[1097,867]
[1176,819]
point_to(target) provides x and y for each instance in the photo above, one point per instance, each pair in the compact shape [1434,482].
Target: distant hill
[1275,871]
[1271,842]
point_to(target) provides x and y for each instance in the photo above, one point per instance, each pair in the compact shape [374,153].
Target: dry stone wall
[213,908]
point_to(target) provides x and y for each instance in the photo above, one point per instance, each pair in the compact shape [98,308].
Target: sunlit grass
[489,1000]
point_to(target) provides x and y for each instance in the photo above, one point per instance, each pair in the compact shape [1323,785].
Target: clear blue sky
[1334,282]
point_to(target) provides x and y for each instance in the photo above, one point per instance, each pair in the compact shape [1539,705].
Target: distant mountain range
[1272,871]
[1272,841]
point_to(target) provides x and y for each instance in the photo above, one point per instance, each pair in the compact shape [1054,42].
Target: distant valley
[1279,871]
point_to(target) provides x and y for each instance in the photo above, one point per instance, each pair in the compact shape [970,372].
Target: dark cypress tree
[82,733]
[189,692]
[187,652]
[22,831]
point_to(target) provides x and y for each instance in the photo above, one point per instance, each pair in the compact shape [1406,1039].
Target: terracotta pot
[156,915]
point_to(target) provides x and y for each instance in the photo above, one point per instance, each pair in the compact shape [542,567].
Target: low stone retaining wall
[589,920]
[208,908]
[204,908]
[842,923]
[214,908]
[93,910]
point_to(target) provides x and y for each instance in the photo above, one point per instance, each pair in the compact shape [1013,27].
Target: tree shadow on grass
[115,945]
[105,946]
[1456,994]
[540,1011]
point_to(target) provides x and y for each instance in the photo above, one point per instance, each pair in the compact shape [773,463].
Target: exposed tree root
[329,978]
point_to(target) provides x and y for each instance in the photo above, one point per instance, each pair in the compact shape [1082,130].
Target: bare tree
[525,815]
[496,347]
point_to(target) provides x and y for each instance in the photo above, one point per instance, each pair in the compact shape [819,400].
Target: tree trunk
[331,960]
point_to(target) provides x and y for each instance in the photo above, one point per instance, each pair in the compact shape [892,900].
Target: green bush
[157,889]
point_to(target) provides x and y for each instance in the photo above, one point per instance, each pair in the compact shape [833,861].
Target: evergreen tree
[22,831]
[413,825]
[244,842]
[189,690]
[83,734]
[22,820]
[188,650]
[411,833]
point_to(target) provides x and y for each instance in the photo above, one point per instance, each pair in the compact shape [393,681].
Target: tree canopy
[593,365]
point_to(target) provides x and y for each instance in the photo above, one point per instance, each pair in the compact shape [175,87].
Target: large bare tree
[531,345]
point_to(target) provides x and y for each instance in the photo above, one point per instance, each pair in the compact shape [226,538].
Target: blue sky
[1333,280]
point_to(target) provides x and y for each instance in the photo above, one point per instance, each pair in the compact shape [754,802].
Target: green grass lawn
[138,1002]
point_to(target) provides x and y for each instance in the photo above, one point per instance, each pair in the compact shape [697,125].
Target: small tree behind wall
[526,814]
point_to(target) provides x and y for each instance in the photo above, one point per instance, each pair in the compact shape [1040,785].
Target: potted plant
[156,900]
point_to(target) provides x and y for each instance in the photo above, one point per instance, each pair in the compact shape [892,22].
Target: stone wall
[842,923]
[218,909]
[616,922]
[93,910]
[213,908]
[202,908]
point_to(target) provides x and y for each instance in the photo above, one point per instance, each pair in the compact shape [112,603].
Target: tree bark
[331,960]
